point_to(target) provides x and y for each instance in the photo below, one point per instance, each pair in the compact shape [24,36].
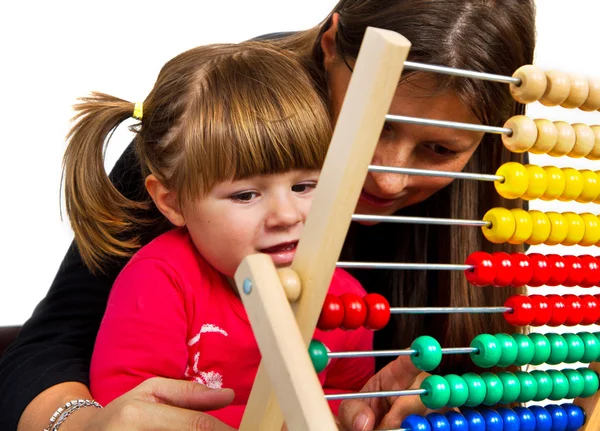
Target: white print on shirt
[211,379]
[207,327]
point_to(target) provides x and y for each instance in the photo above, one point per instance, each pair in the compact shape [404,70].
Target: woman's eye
[303,187]
[441,150]
[244,196]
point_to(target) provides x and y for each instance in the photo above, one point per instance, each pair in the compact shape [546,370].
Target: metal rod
[432,173]
[448,124]
[444,310]
[400,266]
[420,220]
[376,394]
[461,72]
[396,353]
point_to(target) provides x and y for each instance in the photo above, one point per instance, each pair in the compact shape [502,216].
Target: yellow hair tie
[138,111]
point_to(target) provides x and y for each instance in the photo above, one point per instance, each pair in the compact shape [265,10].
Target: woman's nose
[386,185]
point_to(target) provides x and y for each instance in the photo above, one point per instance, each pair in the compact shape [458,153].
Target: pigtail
[99,214]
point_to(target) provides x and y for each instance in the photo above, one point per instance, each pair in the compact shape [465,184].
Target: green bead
[493,387]
[438,392]
[476,387]
[508,348]
[318,355]
[542,348]
[560,385]
[544,384]
[529,387]
[489,350]
[526,349]
[575,346]
[576,383]
[592,347]
[590,382]
[429,353]
[511,386]
[559,349]
[459,392]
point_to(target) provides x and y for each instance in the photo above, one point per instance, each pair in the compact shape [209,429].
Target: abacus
[285,306]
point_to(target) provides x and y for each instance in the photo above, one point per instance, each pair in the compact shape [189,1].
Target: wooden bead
[524,134]
[502,227]
[533,84]
[516,180]
[290,280]
[595,153]
[546,138]
[566,139]
[592,102]
[558,86]
[584,141]
[578,91]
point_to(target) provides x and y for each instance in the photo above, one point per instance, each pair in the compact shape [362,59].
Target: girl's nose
[283,212]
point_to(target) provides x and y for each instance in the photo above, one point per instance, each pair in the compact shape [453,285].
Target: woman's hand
[388,412]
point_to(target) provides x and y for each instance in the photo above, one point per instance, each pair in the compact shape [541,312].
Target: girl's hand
[389,412]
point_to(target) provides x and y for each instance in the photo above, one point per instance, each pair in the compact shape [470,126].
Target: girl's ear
[165,200]
[328,41]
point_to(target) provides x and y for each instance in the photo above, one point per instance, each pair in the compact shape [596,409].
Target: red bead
[355,311]
[543,310]
[558,270]
[559,310]
[378,311]
[332,313]
[591,309]
[591,269]
[484,270]
[523,310]
[522,269]
[504,272]
[576,271]
[574,310]
[541,271]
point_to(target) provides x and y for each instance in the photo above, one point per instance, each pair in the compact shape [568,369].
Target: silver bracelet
[67,410]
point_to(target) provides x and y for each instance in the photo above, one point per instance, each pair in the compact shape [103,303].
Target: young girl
[231,159]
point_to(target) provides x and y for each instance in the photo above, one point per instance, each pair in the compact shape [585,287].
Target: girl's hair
[495,36]
[216,113]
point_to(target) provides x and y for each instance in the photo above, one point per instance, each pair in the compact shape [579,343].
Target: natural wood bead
[566,139]
[533,84]
[584,141]
[578,91]
[557,88]
[595,153]
[592,102]
[546,138]
[524,134]
[290,280]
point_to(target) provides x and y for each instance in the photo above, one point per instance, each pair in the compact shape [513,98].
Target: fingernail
[361,422]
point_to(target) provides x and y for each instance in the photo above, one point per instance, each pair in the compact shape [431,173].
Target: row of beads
[553,88]
[565,417]
[350,311]
[518,269]
[505,387]
[517,226]
[547,183]
[553,310]
[557,139]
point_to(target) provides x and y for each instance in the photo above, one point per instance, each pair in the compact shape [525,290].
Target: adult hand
[158,404]
[385,412]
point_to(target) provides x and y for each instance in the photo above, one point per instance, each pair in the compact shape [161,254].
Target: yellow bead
[523,136]
[591,187]
[516,180]
[502,226]
[575,228]
[523,226]
[574,185]
[565,141]
[541,227]
[538,182]
[546,138]
[556,183]
[558,228]
[592,230]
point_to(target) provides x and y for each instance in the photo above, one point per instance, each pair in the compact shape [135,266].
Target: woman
[49,363]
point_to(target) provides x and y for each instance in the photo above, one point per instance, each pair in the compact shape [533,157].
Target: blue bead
[543,419]
[510,419]
[493,420]
[438,422]
[475,420]
[576,416]
[559,417]
[416,423]
[526,419]
[457,421]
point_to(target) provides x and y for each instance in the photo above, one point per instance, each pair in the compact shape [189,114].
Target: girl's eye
[244,196]
[441,150]
[304,187]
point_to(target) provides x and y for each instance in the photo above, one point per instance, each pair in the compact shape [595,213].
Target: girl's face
[262,214]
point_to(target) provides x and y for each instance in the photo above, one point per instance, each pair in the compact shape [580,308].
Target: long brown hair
[216,113]
[495,36]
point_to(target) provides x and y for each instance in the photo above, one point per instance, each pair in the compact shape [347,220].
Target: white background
[53,52]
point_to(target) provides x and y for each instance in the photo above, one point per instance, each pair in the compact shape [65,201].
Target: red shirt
[171,314]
